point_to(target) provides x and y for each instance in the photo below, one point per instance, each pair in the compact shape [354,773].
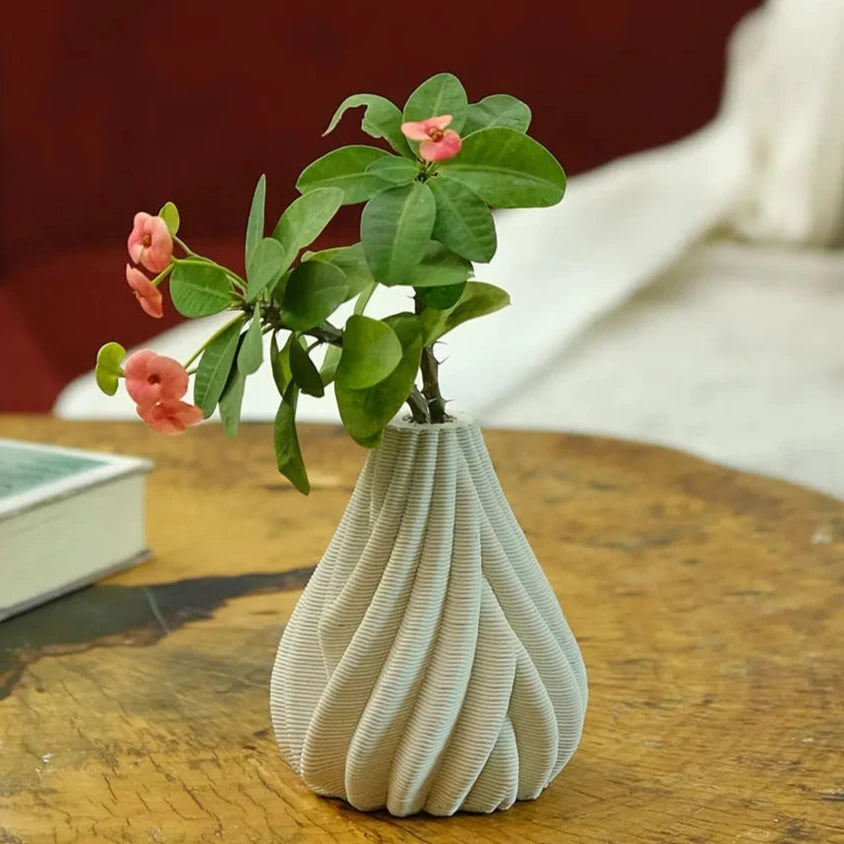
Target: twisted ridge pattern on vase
[427,665]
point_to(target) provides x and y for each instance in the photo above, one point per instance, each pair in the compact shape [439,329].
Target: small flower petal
[419,130]
[443,149]
[438,122]
[415,130]
[171,417]
[147,294]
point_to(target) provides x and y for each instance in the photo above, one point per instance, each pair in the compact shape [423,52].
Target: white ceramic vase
[427,665]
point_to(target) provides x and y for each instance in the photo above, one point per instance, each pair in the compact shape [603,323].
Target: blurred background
[688,290]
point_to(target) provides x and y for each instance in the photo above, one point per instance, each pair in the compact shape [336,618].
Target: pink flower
[152,378]
[150,242]
[171,417]
[145,292]
[438,143]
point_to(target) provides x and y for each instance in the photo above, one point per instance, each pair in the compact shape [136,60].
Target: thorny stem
[418,407]
[431,382]
[431,386]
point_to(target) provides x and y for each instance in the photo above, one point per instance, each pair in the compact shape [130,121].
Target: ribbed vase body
[427,665]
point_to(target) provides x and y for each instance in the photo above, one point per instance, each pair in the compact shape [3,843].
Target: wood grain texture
[709,606]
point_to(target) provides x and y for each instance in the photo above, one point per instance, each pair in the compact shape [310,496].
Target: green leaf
[108,370]
[364,297]
[352,261]
[255,223]
[214,368]
[395,228]
[267,264]
[398,171]
[328,370]
[441,94]
[507,169]
[478,299]
[498,110]
[286,441]
[305,218]
[305,374]
[366,412]
[463,223]
[280,361]
[250,356]
[199,289]
[440,298]
[231,402]
[439,267]
[344,168]
[381,119]
[371,351]
[170,214]
[314,291]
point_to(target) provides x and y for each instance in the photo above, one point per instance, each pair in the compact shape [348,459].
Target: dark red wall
[109,107]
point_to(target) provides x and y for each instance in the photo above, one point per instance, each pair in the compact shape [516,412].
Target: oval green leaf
[328,370]
[395,228]
[478,299]
[304,220]
[267,264]
[498,110]
[170,214]
[507,169]
[280,362]
[352,261]
[305,374]
[199,289]
[441,94]
[393,170]
[464,222]
[231,402]
[439,267]
[381,119]
[250,355]
[365,413]
[286,442]
[314,291]
[371,351]
[255,223]
[215,367]
[108,371]
[440,298]
[344,168]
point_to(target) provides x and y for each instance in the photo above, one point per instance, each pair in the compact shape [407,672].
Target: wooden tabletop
[709,605]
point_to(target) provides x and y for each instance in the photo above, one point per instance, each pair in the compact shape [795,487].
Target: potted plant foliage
[427,665]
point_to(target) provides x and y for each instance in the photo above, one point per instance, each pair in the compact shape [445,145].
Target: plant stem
[430,381]
[418,407]
[431,386]
[212,338]
[325,333]
[184,245]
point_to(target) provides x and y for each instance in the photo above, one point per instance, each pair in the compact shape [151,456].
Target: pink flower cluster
[157,384]
[150,245]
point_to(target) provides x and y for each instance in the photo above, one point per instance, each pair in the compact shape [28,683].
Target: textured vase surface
[427,665]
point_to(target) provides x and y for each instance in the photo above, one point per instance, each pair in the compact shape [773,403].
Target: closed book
[67,518]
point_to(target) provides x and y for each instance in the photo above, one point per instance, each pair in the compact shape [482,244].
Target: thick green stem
[431,386]
[418,407]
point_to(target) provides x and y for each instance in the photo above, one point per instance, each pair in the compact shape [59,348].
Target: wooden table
[709,605]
